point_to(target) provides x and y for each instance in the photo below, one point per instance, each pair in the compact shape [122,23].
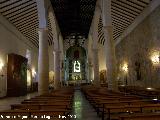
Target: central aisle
[82,108]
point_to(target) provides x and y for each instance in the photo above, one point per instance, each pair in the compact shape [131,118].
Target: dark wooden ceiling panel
[74,16]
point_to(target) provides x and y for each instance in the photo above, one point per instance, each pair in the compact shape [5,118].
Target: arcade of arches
[82,55]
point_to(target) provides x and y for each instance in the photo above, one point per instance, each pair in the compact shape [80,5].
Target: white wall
[51,58]
[101,53]
[90,47]
[139,46]
[12,41]
[102,57]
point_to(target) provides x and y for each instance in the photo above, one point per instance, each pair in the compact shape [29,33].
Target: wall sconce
[33,72]
[1,69]
[1,64]
[125,67]
[155,58]
[29,81]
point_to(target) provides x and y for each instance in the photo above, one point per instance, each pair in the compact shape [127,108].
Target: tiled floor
[6,102]
[82,108]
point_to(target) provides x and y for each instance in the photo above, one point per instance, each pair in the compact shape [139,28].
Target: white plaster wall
[102,57]
[12,41]
[90,47]
[61,47]
[101,53]
[51,58]
[51,54]
[138,46]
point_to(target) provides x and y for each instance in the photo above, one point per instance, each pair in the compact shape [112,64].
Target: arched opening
[75,65]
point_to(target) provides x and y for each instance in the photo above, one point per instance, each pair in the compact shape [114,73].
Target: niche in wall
[103,76]
[138,70]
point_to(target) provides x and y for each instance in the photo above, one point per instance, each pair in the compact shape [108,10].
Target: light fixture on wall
[155,58]
[124,69]
[1,65]
[29,80]
[1,68]
[33,72]
[3,82]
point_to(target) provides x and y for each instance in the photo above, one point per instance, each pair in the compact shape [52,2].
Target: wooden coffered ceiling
[124,12]
[23,15]
[74,17]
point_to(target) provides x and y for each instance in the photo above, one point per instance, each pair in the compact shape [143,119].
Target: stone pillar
[110,58]
[96,81]
[43,62]
[57,69]
[109,46]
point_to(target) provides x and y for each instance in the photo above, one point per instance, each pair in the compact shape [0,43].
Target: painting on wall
[17,75]
[103,76]
[138,70]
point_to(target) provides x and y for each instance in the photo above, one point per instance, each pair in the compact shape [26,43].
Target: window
[77,66]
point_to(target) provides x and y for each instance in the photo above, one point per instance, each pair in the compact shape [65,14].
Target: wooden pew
[98,103]
[145,108]
[113,112]
[66,100]
[35,113]
[141,116]
[69,103]
[40,106]
[102,103]
[140,91]
[55,104]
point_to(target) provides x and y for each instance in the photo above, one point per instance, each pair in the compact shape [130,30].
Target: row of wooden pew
[140,91]
[56,105]
[112,105]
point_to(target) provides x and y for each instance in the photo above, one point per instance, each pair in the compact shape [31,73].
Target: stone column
[96,81]
[109,46]
[43,62]
[57,70]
